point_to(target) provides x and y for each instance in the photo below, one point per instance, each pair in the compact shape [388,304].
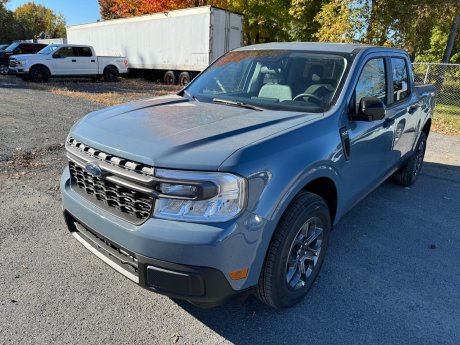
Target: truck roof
[315,46]
[69,45]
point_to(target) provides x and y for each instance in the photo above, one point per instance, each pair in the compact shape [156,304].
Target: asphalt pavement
[391,274]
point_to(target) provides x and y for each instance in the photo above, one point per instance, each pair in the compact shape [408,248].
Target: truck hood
[27,56]
[173,132]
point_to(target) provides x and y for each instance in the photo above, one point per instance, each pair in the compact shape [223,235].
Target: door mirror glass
[370,109]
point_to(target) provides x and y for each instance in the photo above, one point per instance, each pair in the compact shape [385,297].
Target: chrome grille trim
[110,159]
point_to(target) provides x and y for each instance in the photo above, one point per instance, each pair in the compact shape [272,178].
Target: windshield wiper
[237,104]
[189,95]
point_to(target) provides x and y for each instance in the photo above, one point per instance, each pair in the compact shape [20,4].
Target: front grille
[126,203]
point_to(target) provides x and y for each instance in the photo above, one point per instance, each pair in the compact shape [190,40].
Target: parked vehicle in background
[3,46]
[175,45]
[15,49]
[233,185]
[66,60]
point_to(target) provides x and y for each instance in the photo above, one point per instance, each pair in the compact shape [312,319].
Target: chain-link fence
[446,78]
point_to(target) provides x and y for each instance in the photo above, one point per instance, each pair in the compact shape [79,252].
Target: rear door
[86,62]
[369,143]
[403,107]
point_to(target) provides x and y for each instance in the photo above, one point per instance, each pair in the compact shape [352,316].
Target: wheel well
[427,127]
[325,188]
[40,65]
[113,66]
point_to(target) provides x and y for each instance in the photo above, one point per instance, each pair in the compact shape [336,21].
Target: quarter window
[400,79]
[372,82]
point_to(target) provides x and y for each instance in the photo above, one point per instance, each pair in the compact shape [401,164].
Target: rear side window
[400,79]
[372,81]
[82,51]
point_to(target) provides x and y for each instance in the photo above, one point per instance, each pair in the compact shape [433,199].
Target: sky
[74,11]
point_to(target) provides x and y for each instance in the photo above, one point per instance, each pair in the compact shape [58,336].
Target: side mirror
[370,109]
[56,55]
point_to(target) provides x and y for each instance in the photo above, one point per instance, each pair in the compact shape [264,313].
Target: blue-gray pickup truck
[232,186]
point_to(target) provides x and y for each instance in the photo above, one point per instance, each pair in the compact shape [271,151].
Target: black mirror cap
[372,108]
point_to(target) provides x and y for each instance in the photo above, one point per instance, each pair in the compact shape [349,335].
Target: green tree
[37,19]
[302,23]
[339,21]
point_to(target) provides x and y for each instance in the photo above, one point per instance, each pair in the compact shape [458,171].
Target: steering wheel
[315,98]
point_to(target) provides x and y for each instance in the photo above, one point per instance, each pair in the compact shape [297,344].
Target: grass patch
[106,98]
[446,119]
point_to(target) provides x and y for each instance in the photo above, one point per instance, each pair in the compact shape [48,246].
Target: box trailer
[176,44]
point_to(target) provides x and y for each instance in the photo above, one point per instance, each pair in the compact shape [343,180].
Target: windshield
[48,49]
[12,46]
[272,79]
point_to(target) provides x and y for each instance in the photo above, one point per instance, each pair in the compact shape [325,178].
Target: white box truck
[177,44]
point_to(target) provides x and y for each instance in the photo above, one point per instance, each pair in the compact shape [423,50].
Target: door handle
[93,60]
[74,60]
[412,109]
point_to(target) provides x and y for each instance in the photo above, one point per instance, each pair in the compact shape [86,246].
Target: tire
[282,282]
[96,77]
[25,78]
[4,69]
[408,174]
[110,74]
[39,74]
[170,78]
[184,78]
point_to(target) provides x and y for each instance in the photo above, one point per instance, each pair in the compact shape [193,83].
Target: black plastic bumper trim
[203,286]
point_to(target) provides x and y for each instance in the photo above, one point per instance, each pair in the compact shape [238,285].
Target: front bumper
[182,260]
[19,71]
[203,286]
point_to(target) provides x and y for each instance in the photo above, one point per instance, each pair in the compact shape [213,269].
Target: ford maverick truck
[67,60]
[232,186]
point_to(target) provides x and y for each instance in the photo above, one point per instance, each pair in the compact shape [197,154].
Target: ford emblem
[93,169]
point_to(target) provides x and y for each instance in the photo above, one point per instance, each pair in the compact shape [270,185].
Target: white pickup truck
[67,60]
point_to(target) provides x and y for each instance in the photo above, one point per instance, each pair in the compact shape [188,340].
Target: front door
[370,142]
[64,61]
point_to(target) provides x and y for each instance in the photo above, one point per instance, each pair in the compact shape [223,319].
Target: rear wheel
[110,74]
[184,78]
[170,78]
[39,74]
[407,175]
[296,252]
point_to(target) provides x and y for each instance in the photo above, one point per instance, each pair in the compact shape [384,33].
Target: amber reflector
[240,274]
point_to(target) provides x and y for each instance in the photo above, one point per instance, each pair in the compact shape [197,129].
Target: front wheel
[408,174]
[4,69]
[39,74]
[296,252]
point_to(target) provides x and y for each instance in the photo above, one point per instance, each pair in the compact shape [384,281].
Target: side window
[82,51]
[372,82]
[64,52]
[400,79]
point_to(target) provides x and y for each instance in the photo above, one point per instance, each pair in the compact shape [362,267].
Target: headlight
[199,196]
[22,62]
